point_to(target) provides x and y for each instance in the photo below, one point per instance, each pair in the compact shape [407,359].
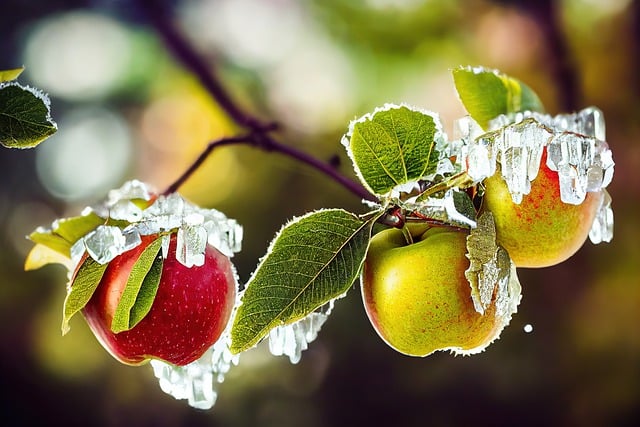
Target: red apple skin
[190,311]
[542,230]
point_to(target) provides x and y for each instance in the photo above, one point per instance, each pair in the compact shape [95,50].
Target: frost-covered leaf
[25,117]
[65,232]
[392,146]
[140,290]
[487,93]
[491,273]
[79,292]
[8,75]
[313,259]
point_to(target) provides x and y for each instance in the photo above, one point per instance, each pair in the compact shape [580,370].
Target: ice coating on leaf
[602,227]
[195,226]
[454,207]
[291,340]
[491,273]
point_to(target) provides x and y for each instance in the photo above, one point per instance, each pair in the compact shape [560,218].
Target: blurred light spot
[509,38]
[78,55]
[23,219]
[253,33]
[88,156]
[528,328]
[395,4]
[313,90]
[602,8]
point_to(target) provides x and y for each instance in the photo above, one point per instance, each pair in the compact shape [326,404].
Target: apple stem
[258,134]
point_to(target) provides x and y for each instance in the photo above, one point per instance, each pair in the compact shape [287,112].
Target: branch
[258,135]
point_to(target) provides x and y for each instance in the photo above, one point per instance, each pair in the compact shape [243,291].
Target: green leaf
[140,290]
[486,94]
[393,146]
[8,75]
[66,231]
[79,293]
[312,260]
[25,118]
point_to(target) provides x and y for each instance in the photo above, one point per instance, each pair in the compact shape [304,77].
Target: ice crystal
[195,226]
[291,340]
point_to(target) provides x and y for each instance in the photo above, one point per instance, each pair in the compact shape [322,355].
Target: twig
[258,131]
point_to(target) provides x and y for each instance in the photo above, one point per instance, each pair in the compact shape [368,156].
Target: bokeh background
[126,109]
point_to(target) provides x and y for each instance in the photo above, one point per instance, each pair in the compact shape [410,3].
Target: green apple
[542,230]
[417,296]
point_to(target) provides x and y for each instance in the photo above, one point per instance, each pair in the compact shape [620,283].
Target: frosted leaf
[104,243]
[602,227]
[130,190]
[451,208]
[291,340]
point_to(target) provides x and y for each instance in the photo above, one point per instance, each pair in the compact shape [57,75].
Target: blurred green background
[126,109]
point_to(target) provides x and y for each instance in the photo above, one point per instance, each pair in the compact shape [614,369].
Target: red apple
[542,230]
[189,313]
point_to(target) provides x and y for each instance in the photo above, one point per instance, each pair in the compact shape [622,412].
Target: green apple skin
[189,313]
[417,296]
[542,230]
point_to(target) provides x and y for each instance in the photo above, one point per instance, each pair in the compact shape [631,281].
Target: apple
[542,230]
[191,309]
[417,296]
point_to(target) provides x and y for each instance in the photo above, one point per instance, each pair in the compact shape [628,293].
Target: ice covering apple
[191,308]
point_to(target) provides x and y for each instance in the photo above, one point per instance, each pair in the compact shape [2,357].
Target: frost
[575,144]
[454,207]
[492,277]
[104,243]
[602,227]
[195,226]
[198,381]
[291,340]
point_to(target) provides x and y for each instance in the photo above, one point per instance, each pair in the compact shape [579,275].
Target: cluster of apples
[414,287]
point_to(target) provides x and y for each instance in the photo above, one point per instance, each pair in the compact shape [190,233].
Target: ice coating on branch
[195,226]
[291,340]
[602,227]
[575,149]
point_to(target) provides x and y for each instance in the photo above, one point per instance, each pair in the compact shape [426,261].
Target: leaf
[25,118]
[79,292]
[8,75]
[140,290]
[41,255]
[312,260]
[66,231]
[393,146]
[486,94]
[489,264]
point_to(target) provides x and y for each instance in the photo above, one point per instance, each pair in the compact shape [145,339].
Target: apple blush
[189,313]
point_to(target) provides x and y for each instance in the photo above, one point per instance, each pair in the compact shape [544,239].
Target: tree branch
[258,135]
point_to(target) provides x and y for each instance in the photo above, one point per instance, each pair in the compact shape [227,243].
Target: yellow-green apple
[189,313]
[417,296]
[541,230]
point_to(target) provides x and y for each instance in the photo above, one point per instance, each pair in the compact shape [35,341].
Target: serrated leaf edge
[265,331]
[346,138]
